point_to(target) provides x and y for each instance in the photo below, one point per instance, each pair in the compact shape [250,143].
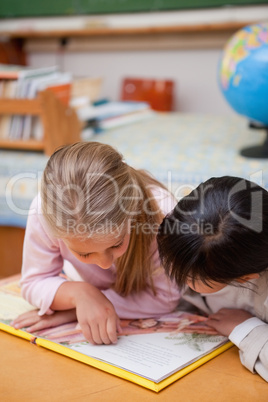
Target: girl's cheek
[121,250]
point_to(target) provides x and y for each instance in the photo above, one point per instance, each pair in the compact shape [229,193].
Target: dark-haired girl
[215,245]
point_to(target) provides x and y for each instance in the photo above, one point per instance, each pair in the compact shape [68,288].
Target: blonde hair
[88,190]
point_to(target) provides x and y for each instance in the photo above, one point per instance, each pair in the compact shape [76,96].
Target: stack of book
[106,115]
[82,94]
[25,83]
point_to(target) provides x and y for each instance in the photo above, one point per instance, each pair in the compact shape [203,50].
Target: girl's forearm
[69,293]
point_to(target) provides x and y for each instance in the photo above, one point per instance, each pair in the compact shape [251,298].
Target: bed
[180,150]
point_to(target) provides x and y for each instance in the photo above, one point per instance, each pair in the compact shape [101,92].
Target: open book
[150,352]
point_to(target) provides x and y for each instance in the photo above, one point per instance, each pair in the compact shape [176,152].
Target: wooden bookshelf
[60,123]
[98,31]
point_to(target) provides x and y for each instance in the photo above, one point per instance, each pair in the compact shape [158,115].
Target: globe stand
[258,151]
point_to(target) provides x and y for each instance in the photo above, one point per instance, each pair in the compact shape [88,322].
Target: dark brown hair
[219,232]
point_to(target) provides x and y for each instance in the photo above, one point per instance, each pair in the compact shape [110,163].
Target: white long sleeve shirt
[251,336]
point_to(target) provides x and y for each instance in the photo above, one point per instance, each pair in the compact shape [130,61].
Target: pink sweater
[44,256]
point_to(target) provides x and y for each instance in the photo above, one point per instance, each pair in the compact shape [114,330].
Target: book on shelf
[153,352]
[58,83]
[26,83]
[8,90]
[14,72]
[27,86]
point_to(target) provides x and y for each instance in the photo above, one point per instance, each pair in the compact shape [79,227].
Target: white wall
[194,72]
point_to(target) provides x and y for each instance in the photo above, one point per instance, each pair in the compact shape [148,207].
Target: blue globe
[243,72]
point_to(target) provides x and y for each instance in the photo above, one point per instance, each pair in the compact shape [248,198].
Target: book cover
[24,77]
[110,109]
[8,91]
[152,352]
[125,119]
[60,85]
[12,71]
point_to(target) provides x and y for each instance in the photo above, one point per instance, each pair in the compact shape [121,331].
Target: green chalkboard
[42,8]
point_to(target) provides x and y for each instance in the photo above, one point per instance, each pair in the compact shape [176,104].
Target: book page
[153,356]
[153,348]
[11,302]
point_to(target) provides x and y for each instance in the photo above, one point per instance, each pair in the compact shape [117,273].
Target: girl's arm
[42,262]
[248,333]
[77,301]
[253,348]
[44,287]
[95,313]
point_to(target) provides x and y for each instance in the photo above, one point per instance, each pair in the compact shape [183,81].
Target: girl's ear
[246,278]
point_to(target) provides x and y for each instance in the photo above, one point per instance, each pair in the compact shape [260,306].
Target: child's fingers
[212,322]
[213,318]
[24,320]
[85,328]
[98,332]
[107,330]
[29,324]
[118,327]
[112,326]
[24,316]
[103,335]
[38,326]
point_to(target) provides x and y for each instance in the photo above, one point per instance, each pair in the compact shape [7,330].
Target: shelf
[29,145]
[20,106]
[60,123]
[106,31]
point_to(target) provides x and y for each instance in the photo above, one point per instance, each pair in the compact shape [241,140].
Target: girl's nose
[105,260]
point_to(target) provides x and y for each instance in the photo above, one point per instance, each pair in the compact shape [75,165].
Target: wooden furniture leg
[11,244]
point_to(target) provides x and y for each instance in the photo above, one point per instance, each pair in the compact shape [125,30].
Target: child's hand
[226,319]
[97,317]
[34,322]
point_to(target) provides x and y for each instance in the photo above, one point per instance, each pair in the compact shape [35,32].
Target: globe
[243,78]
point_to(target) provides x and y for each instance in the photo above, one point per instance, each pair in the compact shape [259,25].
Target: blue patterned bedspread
[181,150]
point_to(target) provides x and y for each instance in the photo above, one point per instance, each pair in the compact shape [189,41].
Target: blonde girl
[101,216]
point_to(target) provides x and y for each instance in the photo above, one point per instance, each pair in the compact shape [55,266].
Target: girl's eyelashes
[118,245]
[84,255]
[87,255]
